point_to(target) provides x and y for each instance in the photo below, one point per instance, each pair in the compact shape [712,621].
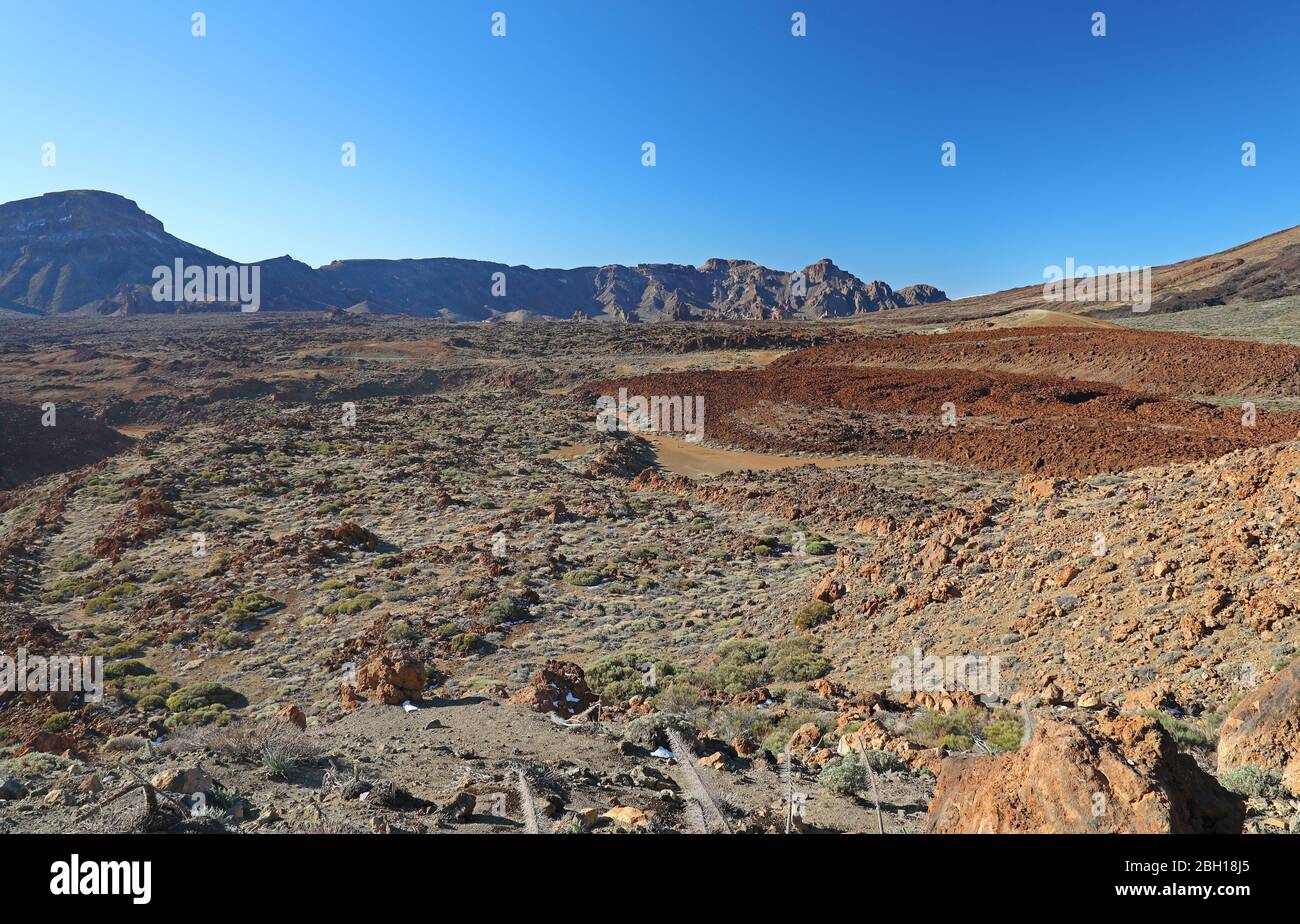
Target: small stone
[628,817]
[184,781]
[294,715]
[461,808]
[715,761]
[59,797]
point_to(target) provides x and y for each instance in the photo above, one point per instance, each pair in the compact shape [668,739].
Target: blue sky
[527,149]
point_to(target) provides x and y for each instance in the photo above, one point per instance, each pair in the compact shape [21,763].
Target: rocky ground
[388,575]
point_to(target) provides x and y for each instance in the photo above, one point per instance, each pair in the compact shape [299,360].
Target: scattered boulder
[393,680]
[805,738]
[559,687]
[1263,730]
[185,781]
[348,697]
[716,761]
[1122,775]
[351,535]
[628,817]
[292,714]
[829,590]
[12,789]
[755,697]
[461,808]
[1155,696]
[48,743]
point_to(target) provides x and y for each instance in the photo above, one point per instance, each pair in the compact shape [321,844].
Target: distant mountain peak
[78,209]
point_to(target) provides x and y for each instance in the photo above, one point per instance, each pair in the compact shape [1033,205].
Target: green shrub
[200,695]
[66,588]
[797,658]
[278,764]
[244,608]
[134,690]
[1185,733]
[125,650]
[350,605]
[617,678]
[847,776]
[883,761]
[466,643]
[1254,782]
[215,714]
[584,577]
[505,609]
[77,561]
[956,728]
[813,614]
[739,666]
[110,598]
[116,670]
[681,698]
[57,722]
[399,631]
[819,547]
[1004,735]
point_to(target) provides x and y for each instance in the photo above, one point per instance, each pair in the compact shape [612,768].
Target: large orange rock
[393,680]
[1263,730]
[1117,776]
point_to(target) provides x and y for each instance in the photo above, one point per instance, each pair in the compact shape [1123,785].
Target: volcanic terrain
[386,574]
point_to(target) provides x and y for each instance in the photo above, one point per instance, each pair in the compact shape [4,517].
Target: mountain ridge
[94,252]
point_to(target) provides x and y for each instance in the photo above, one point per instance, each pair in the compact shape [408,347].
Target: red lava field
[1049,401]
[1174,365]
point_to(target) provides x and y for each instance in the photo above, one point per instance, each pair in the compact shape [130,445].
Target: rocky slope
[1260,270]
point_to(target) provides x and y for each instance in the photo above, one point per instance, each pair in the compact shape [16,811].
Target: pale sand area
[695,460]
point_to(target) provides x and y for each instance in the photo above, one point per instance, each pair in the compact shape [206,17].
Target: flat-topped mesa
[74,211]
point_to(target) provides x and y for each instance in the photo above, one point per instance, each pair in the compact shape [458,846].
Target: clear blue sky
[527,149]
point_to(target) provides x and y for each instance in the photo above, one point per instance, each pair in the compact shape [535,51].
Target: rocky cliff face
[94,252]
[84,251]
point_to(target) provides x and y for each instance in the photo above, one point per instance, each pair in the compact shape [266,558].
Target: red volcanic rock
[559,687]
[1121,776]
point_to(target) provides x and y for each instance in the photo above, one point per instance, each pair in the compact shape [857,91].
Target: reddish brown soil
[29,450]
[1159,363]
[832,399]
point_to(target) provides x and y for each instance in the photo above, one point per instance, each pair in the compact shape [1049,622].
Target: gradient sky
[527,149]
